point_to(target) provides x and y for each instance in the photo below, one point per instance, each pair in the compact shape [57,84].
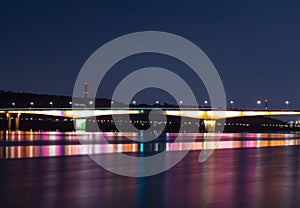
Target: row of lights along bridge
[260,104]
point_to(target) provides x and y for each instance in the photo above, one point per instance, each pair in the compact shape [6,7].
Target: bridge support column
[8,116]
[17,122]
[80,124]
[209,126]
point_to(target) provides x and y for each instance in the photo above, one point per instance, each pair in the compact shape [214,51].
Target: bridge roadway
[203,113]
[208,115]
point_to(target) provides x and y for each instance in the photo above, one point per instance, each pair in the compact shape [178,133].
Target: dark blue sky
[255,46]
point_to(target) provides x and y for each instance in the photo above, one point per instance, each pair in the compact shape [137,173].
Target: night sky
[255,46]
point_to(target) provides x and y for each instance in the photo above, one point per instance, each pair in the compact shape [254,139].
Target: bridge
[210,116]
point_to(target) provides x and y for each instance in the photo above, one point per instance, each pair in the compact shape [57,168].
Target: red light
[266,100]
[85,83]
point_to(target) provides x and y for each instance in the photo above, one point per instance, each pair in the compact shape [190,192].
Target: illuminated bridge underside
[215,115]
[200,114]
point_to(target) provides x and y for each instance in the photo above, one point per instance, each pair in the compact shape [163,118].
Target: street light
[180,102]
[258,103]
[13,104]
[134,102]
[231,103]
[32,104]
[205,103]
[287,104]
[112,104]
[51,103]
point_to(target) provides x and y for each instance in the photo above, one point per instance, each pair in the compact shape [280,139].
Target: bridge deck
[200,113]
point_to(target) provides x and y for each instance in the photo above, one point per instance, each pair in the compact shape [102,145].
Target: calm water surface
[18,144]
[247,170]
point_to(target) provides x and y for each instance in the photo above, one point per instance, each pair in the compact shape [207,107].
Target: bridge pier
[16,119]
[80,124]
[209,126]
[17,122]
[8,117]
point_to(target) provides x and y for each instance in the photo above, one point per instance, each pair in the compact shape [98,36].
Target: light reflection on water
[228,141]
